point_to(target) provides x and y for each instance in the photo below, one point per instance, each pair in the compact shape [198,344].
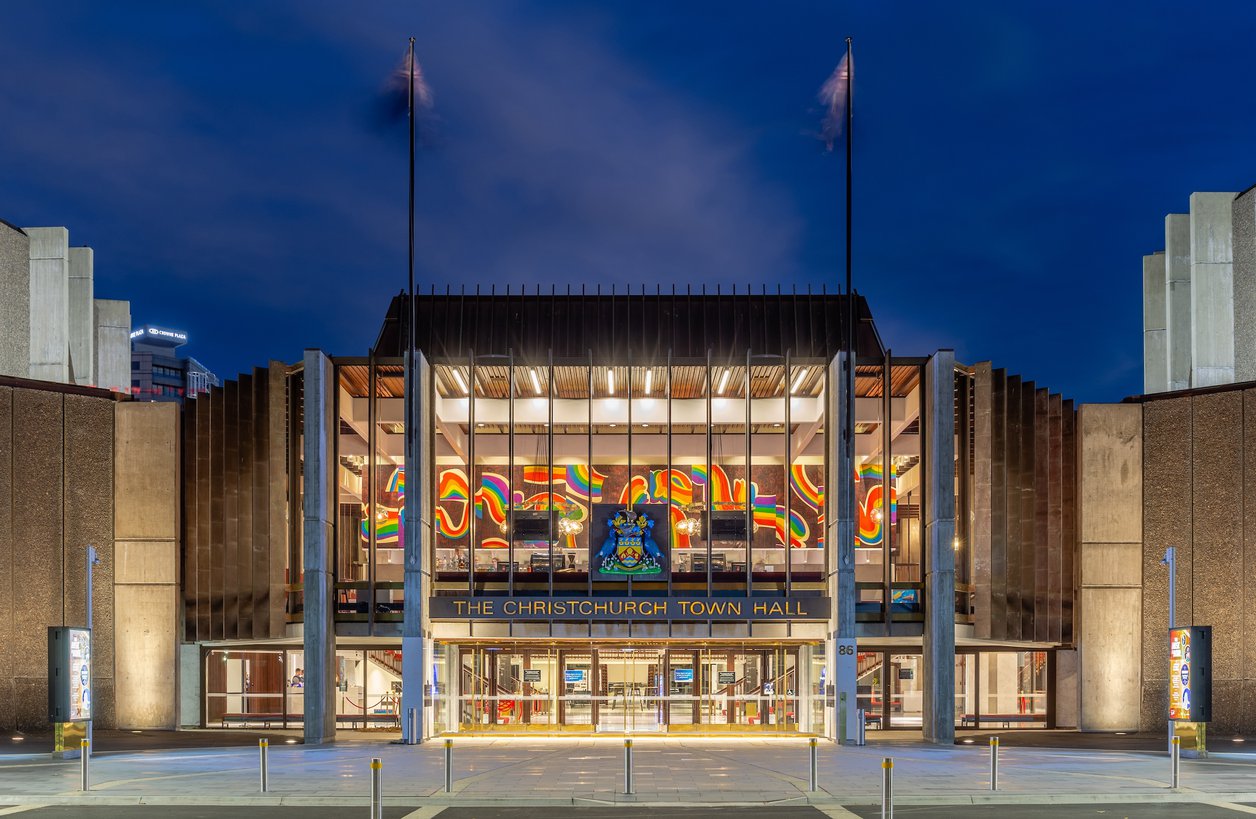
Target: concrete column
[1110,518]
[417,519]
[1155,324]
[111,367]
[318,509]
[82,326]
[146,557]
[1212,289]
[1244,218]
[15,301]
[840,536]
[1177,272]
[49,318]
[191,695]
[938,450]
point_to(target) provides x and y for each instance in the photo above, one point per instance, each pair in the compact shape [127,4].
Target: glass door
[629,701]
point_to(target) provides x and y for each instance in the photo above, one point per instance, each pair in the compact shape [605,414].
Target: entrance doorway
[632,688]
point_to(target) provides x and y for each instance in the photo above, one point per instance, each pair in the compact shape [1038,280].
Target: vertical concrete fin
[938,450]
[1177,267]
[318,510]
[418,523]
[1155,324]
[1212,289]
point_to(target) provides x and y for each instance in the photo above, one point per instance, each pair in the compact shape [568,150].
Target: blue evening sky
[1014,160]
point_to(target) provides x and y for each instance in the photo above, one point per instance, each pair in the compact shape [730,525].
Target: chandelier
[569,528]
[688,527]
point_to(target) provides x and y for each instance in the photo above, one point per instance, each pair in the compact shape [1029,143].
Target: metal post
[815,766]
[1174,758]
[628,766]
[93,558]
[994,763]
[85,782]
[412,726]
[861,727]
[887,788]
[377,788]
[263,749]
[449,765]
[1170,560]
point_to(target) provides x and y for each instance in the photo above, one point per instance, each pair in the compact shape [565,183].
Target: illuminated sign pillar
[1190,680]
[69,687]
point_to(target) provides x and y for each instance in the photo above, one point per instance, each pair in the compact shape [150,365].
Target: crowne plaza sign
[635,609]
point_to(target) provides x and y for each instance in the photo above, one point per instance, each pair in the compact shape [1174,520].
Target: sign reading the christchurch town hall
[635,609]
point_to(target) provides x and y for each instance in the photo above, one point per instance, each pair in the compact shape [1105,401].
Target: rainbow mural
[871,515]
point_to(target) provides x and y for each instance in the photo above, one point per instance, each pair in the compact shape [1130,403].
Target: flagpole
[848,431]
[410,283]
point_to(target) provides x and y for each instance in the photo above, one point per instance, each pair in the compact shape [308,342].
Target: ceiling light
[612,425]
[462,385]
[649,379]
[610,382]
[291,741]
[536,385]
[802,376]
[723,382]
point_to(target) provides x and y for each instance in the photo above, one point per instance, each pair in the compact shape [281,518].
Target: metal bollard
[377,788]
[861,726]
[628,766]
[412,724]
[263,766]
[887,788]
[449,765]
[994,763]
[85,755]
[815,766]
[1174,759]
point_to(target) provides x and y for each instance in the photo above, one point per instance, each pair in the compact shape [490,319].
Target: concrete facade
[1110,545]
[81,326]
[15,301]
[49,319]
[1212,289]
[146,559]
[111,367]
[1155,324]
[76,450]
[1177,267]
[1244,219]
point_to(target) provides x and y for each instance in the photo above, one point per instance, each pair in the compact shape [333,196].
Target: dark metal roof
[622,326]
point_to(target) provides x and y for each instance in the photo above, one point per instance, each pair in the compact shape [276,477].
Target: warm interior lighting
[536,384]
[649,379]
[18,739]
[569,528]
[955,544]
[723,382]
[802,376]
[462,385]
[1239,739]
[291,741]
[610,382]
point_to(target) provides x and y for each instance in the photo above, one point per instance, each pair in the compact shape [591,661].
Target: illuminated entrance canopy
[632,609]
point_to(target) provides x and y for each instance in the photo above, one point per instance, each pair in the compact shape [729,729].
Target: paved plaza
[766,776]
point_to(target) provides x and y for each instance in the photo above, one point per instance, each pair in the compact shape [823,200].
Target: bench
[971,720]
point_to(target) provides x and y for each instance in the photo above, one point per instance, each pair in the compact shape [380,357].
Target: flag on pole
[395,101]
[835,97]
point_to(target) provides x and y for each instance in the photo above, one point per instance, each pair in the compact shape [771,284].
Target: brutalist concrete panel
[1167,501]
[1109,656]
[1249,535]
[82,326]
[1155,710]
[1247,723]
[1227,707]
[1217,509]
[6,558]
[1111,473]
[89,520]
[982,487]
[1212,289]
[15,302]
[30,698]
[146,481]
[1177,252]
[1155,322]
[1245,286]
[112,348]
[37,531]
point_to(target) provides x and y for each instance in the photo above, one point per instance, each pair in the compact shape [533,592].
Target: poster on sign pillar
[1190,674]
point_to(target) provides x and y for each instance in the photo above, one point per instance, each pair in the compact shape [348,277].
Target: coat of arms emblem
[630,549]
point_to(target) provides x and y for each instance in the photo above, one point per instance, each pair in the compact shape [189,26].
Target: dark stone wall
[1198,496]
[56,497]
